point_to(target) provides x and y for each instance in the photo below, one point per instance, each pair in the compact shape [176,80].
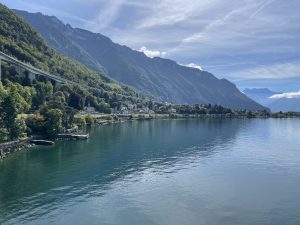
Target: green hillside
[20,40]
[51,106]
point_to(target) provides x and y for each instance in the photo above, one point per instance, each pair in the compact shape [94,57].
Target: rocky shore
[11,147]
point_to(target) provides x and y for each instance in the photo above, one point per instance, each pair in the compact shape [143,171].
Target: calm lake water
[167,172]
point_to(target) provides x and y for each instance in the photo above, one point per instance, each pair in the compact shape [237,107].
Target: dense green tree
[18,129]
[3,135]
[9,114]
[53,122]
[35,124]
[2,92]
[68,116]
[44,92]
[76,101]
[15,99]
[21,95]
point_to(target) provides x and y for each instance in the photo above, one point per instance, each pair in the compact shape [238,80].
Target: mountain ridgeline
[163,79]
[263,96]
[51,106]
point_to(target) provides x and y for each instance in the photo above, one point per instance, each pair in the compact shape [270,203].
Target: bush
[108,117]
[35,124]
[81,122]
[89,120]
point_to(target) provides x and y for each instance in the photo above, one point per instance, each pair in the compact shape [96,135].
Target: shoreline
[15,146]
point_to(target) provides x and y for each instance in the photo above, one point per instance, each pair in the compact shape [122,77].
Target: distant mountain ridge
[260,91]
[162,78]
[262,95]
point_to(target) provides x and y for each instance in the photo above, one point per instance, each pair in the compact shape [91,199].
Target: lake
[167,172]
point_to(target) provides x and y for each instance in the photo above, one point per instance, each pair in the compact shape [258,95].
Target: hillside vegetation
[19,39]
[51,106]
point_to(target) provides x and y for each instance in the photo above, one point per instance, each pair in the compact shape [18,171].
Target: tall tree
[54,119]
[44,91]
[9,113]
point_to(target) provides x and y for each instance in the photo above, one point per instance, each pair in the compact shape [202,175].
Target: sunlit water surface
[167,172]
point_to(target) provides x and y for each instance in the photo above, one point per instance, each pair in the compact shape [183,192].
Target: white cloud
[277,71]
[193,65]
[107,14]
[212,32]
[152,54]
[286,95]
[246,31]
[170,12]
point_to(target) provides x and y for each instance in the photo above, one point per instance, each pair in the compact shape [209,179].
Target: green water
[178,172]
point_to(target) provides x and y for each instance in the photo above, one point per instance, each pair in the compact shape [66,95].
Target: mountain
[285,105]
[20,40]
[262,96]
[259,91]
[162,78]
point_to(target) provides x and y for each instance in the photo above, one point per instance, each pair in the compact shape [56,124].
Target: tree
[53,122]
[76,101]
[21,95]
[9,113]
[15,99]
[3,135]
[44,92]
[68,116]
[2,92]
[18,129]
[35,124]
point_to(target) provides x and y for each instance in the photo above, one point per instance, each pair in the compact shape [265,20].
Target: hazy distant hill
[262,95]
[161,78]
[285,105]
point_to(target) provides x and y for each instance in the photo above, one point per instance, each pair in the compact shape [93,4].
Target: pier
[73,136]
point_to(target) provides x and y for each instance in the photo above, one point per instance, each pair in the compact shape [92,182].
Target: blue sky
[254,43]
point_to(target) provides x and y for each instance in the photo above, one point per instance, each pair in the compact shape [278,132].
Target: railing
[30,68]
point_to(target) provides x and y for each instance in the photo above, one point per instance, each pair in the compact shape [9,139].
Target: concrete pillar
[19,71]
[31,76]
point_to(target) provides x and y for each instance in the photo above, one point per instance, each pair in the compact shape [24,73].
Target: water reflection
[48,182]
[47,176]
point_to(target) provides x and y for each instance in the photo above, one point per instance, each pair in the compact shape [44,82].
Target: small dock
[42,142]
[73,136]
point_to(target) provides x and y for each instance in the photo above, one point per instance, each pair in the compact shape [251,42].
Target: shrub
[89,120]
